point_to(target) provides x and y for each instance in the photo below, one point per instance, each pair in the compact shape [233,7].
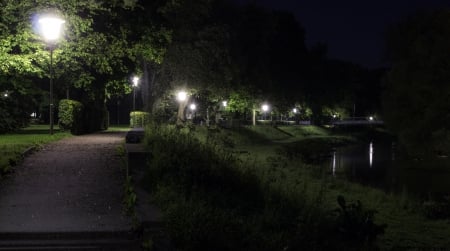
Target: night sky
[352,29]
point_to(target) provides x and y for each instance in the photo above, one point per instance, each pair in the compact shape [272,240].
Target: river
[378,165]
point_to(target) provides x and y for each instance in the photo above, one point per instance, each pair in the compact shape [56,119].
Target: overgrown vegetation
[212,200]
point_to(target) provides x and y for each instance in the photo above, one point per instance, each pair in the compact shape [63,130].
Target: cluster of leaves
[139,119]
[70,114]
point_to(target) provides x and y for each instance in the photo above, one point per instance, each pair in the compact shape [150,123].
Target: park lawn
[118,128]
[407,226]
[13,145]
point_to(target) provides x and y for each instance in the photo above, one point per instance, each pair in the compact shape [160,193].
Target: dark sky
[352,29]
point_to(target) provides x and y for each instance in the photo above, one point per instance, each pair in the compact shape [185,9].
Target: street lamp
[51,30]
[265,108]
[224,103]
[135,85]
[182,96]
[193,107]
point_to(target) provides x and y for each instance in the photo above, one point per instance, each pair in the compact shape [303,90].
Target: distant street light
[224,103]
[135,85]
[294,110]
[265,108]
[193,107]
[181,96]
[51,30]
[371,118]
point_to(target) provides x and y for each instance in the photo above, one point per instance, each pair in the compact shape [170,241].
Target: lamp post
[51,29]
[135,85]
[265,108]
[182,98]
[193,107]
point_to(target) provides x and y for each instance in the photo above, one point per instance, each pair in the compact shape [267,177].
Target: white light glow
[51,27]
[294,110]
[265,107]
[224,103]
[334,164]
[182,96]
[135,81]
[371,118]
[193,107]
[370,154]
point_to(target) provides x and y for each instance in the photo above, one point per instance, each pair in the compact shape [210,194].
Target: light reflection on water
[376,164]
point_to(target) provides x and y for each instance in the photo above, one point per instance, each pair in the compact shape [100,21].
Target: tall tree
[99,51]
[417,97]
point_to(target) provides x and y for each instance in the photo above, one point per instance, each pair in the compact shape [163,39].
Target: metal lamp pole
[51,29]
[135,84]
[51,89]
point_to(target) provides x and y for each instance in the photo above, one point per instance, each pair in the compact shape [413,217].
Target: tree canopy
[102,45]
[215,49]
[417,97]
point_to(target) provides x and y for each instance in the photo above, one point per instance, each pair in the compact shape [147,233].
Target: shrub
[356,224]
[139,119]
[71,116]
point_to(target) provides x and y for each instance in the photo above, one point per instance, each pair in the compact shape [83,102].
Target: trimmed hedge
[71,116]
[139,119]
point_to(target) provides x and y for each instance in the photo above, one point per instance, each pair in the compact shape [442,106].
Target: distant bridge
[358,121]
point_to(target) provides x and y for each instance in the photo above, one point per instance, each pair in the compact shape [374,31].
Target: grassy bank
[250,189]
[13,145]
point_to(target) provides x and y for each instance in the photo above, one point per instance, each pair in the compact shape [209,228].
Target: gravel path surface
[72,185]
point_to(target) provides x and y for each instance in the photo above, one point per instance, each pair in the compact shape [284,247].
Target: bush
[356,224]
[139,119]
[71,116]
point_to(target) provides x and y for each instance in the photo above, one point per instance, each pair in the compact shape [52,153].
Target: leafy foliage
[70,114]
[357,224]
[416,101]
[101,46]
[139,119]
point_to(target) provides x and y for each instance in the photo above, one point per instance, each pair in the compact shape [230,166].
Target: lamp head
[135,81]
[51,27]
[182,96]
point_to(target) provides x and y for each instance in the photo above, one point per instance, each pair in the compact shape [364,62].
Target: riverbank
[222,176]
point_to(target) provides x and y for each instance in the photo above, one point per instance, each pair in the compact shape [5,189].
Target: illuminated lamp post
[182,98]
[51,29]
[135,85]
[265,108]
[193,107]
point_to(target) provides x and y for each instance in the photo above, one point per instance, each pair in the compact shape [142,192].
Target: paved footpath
[73,185]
